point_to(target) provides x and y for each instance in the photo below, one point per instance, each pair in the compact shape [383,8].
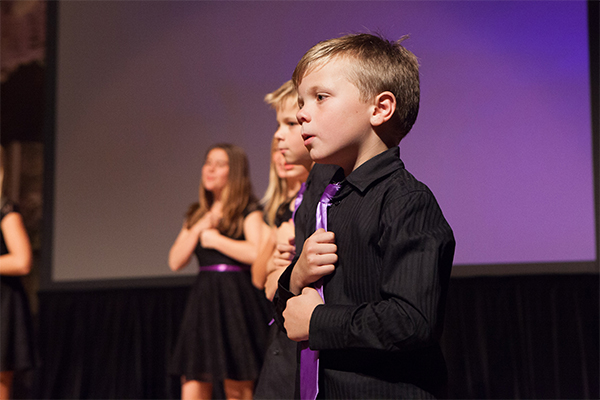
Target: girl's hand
[209,220]
[209,238]
[215,215]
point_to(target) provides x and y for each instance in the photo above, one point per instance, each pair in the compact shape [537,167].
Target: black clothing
[224,328]
[378,330]
[283,213]
[278,373]
[17,351]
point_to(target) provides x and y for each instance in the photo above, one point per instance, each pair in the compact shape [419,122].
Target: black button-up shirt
[378,330]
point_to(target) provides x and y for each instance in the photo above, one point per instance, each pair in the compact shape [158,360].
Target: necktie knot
[329,192]
[321,217]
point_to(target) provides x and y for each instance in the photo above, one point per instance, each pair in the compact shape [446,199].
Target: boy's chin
[319,158]
[291,160]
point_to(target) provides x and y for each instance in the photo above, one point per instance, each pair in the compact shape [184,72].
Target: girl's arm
[182,250]
[259,266]
[281,257]
[19,258]
[244,251]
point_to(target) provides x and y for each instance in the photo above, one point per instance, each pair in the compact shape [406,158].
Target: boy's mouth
[307,138]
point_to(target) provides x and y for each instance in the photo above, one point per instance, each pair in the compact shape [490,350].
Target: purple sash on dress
[225,268]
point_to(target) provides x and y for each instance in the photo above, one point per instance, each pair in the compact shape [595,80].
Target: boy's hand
[282,256]
[317,259]
[285,250]
[297,313]
[285,232]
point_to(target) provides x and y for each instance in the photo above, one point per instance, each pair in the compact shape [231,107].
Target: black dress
[278,374]
[224,328]
[16,329]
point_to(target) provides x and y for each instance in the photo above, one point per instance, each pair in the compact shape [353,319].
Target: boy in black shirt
[386,256]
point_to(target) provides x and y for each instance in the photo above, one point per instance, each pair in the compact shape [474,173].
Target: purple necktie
[298,200]
[309,359]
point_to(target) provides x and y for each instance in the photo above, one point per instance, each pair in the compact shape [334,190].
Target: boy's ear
[384,108]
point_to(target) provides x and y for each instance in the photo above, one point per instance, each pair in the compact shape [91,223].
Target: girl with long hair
[223,332]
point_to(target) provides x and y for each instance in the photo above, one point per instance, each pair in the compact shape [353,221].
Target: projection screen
[503,137]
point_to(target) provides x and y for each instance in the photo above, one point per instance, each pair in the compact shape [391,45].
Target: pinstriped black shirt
[379,328]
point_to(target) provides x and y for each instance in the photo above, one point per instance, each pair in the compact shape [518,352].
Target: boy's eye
[320,97]
[292,123]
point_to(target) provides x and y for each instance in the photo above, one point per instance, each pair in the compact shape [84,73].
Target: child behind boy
[277,376]
[386,254]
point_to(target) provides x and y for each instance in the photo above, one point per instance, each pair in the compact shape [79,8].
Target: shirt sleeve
[417,247]
[283,294]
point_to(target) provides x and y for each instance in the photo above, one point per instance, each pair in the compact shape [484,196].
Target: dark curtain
[109,344]
[505,337]
[525,337]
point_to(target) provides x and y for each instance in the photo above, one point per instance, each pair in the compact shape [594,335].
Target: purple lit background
[503,136]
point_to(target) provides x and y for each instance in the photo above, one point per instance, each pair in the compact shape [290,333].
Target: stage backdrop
[503,136]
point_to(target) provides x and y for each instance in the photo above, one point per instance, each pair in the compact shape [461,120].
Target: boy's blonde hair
[279,97]
[380,65]
[276,192]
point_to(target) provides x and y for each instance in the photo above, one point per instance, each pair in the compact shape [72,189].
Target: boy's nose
[279,134]
[302,116]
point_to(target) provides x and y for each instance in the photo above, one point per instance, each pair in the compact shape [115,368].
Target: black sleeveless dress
[17,351]
[224,327]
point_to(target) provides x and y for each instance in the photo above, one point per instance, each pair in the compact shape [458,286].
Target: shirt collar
[377,167]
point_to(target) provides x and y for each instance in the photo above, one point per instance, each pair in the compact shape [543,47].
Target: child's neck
[293,187]
[308,164]
[366,151]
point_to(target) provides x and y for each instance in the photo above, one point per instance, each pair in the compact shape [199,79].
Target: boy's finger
[323,270]
[281,247]
[307,290]
[324,236]
[324,262]
[326,248]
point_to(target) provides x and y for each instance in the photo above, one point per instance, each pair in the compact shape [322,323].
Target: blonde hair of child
[278,98]
[276,192]
[378,65]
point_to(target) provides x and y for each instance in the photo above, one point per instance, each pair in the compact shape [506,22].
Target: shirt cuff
[329,326]
[282,295]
